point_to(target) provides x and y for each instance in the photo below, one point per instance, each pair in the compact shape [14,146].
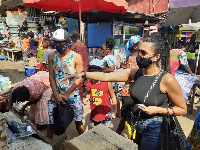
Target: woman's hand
[113,115]
[151,110]
[73,77]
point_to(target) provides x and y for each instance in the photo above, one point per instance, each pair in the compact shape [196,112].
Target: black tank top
[140,88]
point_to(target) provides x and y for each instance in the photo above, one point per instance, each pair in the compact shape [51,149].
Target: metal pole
[80,18]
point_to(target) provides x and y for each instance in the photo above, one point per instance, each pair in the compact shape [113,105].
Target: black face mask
[143,62]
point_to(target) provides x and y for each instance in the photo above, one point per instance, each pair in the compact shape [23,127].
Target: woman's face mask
[62,48]
[143,62]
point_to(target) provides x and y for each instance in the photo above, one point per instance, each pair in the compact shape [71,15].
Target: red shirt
[80,48]
[99,100]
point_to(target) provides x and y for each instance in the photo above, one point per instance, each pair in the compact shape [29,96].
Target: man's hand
[22,111]
[85,101]
[60,98]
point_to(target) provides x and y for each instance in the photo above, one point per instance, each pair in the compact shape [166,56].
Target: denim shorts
[150,132]
[107,122]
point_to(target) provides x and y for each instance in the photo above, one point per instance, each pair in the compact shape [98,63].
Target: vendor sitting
[36,91]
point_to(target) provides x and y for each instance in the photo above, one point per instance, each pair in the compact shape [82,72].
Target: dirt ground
[16,73]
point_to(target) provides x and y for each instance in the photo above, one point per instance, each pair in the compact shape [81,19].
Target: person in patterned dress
[62,63]
[37,92]
[42,48]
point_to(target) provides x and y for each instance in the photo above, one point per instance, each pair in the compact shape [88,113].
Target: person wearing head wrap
[132,41]
[127,101]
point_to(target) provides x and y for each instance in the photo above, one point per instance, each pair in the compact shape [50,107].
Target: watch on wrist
[84,74]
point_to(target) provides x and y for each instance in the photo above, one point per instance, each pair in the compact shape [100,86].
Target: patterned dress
[40,55]
[62,69]
[184,78]
[38,84]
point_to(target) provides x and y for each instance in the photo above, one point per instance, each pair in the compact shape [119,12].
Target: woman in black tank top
[152,58]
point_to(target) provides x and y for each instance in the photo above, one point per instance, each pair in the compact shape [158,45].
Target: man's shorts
[77,107]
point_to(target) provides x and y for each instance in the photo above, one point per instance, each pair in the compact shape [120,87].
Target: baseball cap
[60,35]
[96,64]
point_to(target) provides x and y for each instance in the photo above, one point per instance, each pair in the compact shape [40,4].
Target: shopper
[25,48]
[80,48]
[33,44]
[62,63]
[182,72]
[45,45]
[153,58]
[37,92]
[127,101]
[99,94]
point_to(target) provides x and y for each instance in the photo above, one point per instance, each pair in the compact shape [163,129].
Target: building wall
[146,6]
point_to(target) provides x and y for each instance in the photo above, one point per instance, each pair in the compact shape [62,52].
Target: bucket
[117,41]
[29,71]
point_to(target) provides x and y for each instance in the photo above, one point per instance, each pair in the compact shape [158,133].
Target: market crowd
[64,74]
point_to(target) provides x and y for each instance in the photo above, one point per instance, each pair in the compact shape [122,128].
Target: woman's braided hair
[159,48]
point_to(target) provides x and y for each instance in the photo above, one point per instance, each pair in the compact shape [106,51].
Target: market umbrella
[78,6]
[181,11]
[73,6]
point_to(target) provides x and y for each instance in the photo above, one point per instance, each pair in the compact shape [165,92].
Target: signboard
[186,36]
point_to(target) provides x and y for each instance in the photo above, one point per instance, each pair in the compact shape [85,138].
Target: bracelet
[84,74]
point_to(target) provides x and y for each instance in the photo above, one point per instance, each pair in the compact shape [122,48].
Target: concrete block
[101,138]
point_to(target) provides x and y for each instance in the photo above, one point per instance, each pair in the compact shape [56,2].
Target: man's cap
[96,64]
[60,35]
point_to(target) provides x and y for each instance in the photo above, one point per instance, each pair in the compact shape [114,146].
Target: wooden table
[13,52]
[191,99]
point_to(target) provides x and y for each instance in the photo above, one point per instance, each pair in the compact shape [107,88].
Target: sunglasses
[143,52]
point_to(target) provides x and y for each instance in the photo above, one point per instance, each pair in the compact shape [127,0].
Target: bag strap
[148,93]
[152,85]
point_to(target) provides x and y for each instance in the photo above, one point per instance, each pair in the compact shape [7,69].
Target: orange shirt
[26,45]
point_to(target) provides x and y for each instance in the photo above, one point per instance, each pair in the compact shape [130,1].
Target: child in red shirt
[99,94]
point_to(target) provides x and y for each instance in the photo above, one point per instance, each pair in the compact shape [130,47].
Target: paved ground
[16,74]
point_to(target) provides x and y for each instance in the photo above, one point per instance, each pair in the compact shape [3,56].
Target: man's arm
[52,79]
[79,69]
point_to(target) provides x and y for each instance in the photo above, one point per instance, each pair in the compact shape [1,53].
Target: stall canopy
[181,11]
[76,6]
[191,26]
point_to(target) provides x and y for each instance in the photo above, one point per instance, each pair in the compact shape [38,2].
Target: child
[109,64]
[45,58]
[99,94]
[42,48]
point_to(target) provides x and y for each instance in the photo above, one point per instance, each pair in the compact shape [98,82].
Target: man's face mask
[62,48]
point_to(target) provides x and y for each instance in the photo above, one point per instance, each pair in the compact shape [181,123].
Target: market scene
[100,74]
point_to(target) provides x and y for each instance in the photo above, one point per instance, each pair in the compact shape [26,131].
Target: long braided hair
[159,48]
